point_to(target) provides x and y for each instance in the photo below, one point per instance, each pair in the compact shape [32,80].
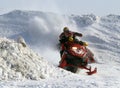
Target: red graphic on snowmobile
[76,56]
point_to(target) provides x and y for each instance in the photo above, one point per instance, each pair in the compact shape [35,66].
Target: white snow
[35,65]
[18,62]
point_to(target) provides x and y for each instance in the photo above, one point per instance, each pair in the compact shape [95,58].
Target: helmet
[65,29]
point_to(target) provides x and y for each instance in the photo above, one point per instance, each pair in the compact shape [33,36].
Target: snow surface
[35,66]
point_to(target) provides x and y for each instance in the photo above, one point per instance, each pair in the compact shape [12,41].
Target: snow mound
[84,20]
[19,62]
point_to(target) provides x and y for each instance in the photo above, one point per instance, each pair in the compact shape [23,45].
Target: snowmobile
[77,56]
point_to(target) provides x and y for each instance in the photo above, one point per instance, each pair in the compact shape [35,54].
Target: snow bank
[18,62]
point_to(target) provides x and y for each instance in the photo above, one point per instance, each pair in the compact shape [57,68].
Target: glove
[70,39]
[85,44]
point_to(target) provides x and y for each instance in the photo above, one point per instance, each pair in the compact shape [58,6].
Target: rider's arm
[63,38]
[78,34]
[61,35]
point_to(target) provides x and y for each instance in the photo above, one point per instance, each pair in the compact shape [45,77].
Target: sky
[97,7]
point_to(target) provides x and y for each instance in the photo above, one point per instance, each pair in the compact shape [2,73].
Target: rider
[68,35]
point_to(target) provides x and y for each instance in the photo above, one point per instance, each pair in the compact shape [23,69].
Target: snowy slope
[41,30]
